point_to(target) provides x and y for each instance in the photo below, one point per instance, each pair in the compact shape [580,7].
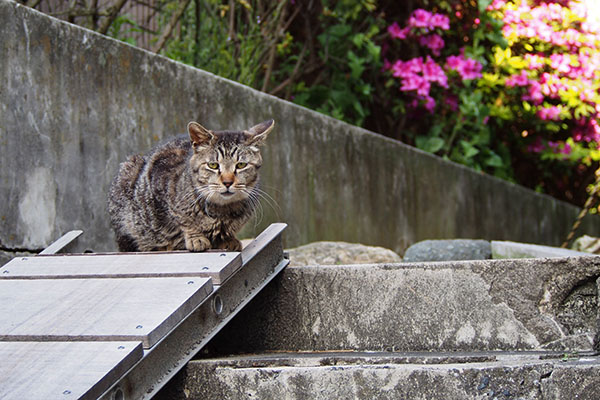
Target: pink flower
[401,69]
[517,80]
[549,113]
[433,41]
[534,93]
[419,19]
[429,21]
[429,103]
[440,21]
[396,32]
[434,73]
[452,62]
[535,61]
[587,130]
[416,82]
[467,68]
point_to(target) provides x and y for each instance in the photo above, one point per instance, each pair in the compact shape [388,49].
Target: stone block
[506,249]
[360,376]
[448,250]
[340,253]
[521,304]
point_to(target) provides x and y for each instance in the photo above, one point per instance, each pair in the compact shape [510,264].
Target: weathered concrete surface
[388,376]
[506,249]
[73,104]
[338,253]
[445,306]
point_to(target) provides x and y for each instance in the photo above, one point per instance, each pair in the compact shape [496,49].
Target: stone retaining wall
[73,104]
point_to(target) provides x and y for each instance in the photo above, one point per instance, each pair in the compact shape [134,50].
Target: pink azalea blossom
[549,113]
[396,32]
[440,21]
[467,68]
[534,93]
[429,104]
[434,73]
[535,61]
[420,19]
[416,82]
[433,42]
[520,79]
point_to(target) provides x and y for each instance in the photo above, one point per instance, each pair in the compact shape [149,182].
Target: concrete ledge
[389,376]
[455,306]
[505,249]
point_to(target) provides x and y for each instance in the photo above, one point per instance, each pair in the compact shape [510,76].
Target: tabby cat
[191,193]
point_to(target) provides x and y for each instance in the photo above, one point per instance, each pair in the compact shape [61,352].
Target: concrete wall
[73,104]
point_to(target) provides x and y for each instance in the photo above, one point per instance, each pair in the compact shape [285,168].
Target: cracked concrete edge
[509,376]
[456,306]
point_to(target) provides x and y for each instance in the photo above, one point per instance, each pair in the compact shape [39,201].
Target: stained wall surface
[73,104]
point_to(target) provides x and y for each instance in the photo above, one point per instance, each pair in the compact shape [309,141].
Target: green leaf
[429,144]
[494,160]
[469,151]
[483,4]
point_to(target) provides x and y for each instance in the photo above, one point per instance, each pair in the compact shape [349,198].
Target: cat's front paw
[232,244]
[197,243]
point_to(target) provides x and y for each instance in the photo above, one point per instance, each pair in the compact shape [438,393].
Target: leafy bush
[520,95]
[509,88]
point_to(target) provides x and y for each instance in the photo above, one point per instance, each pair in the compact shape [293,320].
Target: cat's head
[225,164]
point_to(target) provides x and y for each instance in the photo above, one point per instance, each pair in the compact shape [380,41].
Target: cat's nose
[227,179]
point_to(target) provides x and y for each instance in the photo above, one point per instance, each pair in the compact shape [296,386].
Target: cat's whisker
[269,200]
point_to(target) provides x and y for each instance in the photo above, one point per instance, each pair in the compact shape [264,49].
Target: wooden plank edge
[61,242]
[132,358]
[262,240]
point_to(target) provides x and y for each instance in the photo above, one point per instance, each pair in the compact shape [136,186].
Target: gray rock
[339,253]
[587,243]
[448,250]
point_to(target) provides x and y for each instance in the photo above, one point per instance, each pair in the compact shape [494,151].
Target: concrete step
[489,375]
[509,305]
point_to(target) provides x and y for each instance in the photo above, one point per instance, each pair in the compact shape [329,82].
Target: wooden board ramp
[119,325]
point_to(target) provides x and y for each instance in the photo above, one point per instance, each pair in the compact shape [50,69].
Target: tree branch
[169,30]
[113,12]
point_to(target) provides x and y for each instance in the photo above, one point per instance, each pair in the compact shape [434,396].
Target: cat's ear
[258,133]
[199,135]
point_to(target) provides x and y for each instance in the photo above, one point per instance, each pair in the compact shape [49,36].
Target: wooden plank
[62,242]
[263,260]
[141,309]
[218,266]
[63,370]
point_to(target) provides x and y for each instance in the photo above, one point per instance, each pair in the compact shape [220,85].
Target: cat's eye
[241,165]
[213,165]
